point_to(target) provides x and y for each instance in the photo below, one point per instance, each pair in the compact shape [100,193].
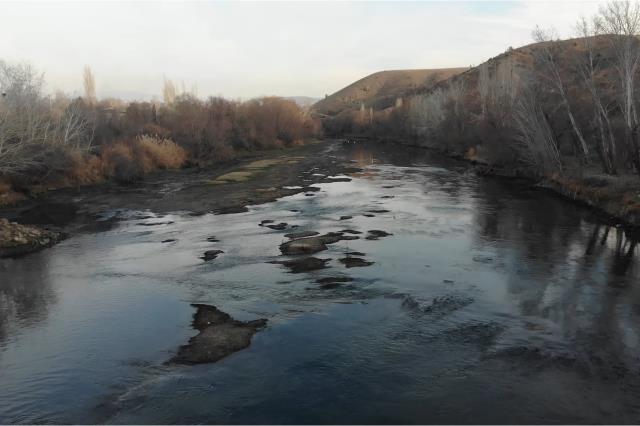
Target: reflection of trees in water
[25,292]
[451,183]
[564,266]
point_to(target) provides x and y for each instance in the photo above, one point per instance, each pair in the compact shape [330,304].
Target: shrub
[129,160]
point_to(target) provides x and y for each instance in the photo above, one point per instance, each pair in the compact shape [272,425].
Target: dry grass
[251,170]
[233,177]
[8,196]
[160,153]
[84,170]
[129,160]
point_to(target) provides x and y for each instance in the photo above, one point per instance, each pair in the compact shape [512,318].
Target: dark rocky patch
[309,194]
[219,335]
[379,211]
[376,234]
[368,215]
[330,285]
[325,280]
[312,245]
[334,237]
[211,254]
[264,222]
[387,196]
[341,179]
[239,208]
[448,281]
[213,239]
[156,223]
[303,246]
[332,282]
[304,264]
[301,234]
[346,217]
[350,231]
[355,253]
[354,262]
[278,227]
[169,240]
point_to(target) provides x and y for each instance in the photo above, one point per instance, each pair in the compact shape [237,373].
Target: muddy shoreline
[227,188]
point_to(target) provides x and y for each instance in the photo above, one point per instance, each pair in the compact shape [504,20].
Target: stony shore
[17,240]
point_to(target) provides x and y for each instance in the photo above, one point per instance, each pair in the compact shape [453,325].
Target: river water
[492,302]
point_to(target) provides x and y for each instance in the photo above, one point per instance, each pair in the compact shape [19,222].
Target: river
[492,302]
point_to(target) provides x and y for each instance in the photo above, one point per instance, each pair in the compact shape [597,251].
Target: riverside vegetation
[563,112]
[49,142]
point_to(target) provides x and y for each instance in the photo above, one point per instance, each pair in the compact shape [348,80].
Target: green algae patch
[251,170]
[232,177]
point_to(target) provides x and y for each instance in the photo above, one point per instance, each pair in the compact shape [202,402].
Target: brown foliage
[130,159]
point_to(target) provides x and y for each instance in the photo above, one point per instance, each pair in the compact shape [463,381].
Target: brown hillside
[381,89]
[524,66]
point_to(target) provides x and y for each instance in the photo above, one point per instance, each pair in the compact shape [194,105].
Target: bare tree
[621,21]
[89,83]
[546,54]
[588,65]
[537,140]
[484,81]
[30,133]
[497,86]
[168,92]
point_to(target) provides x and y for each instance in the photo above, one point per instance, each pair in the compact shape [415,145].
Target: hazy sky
[242,50]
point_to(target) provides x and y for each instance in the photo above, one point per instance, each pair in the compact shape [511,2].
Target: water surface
[491,302]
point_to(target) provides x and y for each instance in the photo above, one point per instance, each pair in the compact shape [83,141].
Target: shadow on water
[25,294]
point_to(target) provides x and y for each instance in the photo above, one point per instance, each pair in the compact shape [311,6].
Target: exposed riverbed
[484,301]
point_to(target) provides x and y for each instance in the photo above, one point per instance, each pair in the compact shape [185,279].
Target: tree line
[58,139]
[556,106]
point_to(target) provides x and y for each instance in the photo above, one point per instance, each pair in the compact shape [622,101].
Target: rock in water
[303,246]
[219,335]
[278,227]
[312,245]
[375,234]
[304,264]
[354,262]
[210,255]
[301,234]
[327,283]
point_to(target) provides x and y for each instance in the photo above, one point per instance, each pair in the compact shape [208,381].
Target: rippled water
[491,302]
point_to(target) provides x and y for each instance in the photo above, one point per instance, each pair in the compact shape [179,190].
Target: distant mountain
[381,89]
[303,101]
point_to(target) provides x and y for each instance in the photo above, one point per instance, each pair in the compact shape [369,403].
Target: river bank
[228,188]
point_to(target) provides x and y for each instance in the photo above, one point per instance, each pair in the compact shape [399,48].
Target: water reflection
[25,294]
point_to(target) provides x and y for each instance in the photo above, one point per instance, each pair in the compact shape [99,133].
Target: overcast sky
[242,50]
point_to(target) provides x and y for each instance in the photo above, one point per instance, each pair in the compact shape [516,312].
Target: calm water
[491,302]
